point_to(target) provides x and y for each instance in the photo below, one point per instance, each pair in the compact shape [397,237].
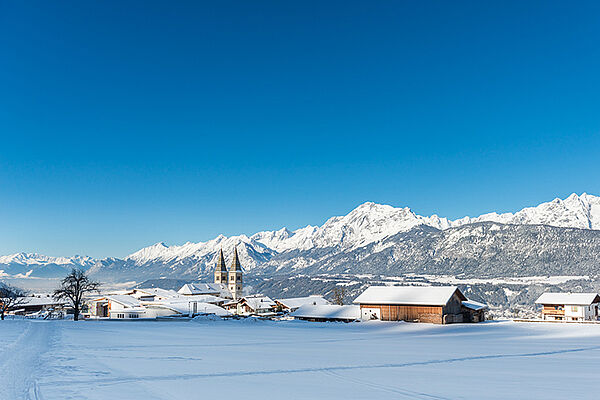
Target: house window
[120,315]
[574,309]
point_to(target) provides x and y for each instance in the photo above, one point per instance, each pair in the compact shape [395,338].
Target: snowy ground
[296,360]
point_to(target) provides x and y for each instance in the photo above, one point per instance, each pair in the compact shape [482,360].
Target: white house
[569,306]
[129,307]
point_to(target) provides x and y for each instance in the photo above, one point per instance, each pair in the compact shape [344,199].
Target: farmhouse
[569,306]
[433,304]
[292,304]
[252,305]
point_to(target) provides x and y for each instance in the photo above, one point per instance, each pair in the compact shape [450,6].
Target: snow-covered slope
[369,223]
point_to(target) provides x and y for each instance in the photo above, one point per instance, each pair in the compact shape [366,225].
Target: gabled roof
[568,298]
[235,263]
[258,302]
[296,302]
[409,295]
[221,267]
[328,311]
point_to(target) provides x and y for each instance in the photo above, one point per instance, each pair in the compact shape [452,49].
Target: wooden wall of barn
[431,314]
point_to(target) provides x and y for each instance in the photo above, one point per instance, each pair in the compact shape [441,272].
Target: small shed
[569,306]
[433,304]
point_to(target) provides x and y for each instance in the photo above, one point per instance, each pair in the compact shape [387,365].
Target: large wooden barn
[433,304]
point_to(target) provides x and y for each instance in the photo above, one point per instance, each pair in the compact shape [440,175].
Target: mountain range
[556,237]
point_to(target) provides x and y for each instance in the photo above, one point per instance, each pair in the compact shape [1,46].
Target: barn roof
[328,311]
[296,302]
[568,298]
[409,295]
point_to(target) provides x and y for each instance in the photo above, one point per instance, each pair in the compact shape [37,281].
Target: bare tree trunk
[76,315]
[2,316]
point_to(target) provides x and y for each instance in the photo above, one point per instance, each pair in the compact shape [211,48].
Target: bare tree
[73,287]
[10,297]
[339,292]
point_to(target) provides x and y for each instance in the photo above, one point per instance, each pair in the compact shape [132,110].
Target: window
[574,309]
[120,315]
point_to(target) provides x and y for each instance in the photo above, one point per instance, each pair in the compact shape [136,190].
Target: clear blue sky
[127,123]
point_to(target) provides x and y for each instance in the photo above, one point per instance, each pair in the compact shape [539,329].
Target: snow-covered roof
[568,298]
[41,301]
[203,288]
[409,295]
[259,302]
[328,311]
[126,300]
[474,305]
[296,302]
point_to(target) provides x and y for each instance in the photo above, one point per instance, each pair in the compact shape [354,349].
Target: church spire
[235,263]
[221,270]
[221,262]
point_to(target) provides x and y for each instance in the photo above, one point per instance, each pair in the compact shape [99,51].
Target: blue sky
[127,123]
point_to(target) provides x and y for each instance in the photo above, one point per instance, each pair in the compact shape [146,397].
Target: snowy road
[296,360]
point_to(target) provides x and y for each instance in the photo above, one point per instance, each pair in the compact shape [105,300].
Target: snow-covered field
[296,360]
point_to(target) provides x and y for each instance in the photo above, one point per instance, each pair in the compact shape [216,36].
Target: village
[225,297]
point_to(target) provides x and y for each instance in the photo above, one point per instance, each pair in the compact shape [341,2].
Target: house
[292,304]
[252,305]
[121,306]
[433,304]
[569,306]
[327,312]
[40,303]
[116,306]
[153,294]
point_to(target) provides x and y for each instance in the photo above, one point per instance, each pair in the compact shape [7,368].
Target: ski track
[19,379]
[107,381]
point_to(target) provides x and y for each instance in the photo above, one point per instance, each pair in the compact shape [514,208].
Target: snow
[296,360]
[568,298]
[416,295]
[296,302]
[474,305]
[328,311]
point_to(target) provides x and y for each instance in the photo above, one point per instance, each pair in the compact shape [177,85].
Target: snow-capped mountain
[369,226]
[33,264]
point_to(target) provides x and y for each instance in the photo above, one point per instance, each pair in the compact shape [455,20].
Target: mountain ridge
[369,223]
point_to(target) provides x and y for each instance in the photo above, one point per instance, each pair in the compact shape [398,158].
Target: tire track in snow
[20,361]
[315,369]
[386,388]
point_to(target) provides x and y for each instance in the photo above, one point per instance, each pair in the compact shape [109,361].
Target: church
[228,283]
[232,278]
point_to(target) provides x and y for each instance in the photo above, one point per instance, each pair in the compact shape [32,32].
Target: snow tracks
[20,360]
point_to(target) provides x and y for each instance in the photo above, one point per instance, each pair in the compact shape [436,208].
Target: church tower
[235,276]
[221,270]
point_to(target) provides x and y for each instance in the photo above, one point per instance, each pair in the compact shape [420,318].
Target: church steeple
[235,276]
[235,263]
[221,270]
